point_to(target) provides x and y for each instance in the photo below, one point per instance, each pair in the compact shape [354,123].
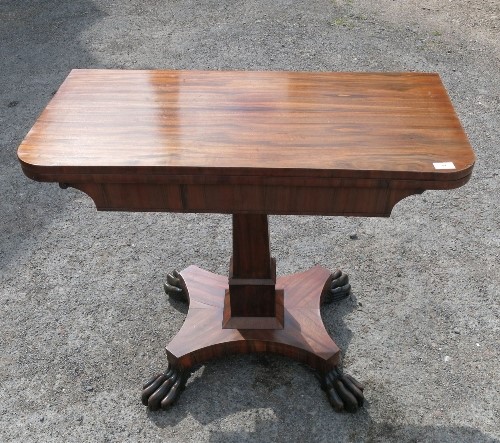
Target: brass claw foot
[175,287]
[340,287]
[344,392]
[162,390]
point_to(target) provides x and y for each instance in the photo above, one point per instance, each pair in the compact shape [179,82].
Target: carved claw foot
[343,391]
[162,390]
[340,287]
[175,287]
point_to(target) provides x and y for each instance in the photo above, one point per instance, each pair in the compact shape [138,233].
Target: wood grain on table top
[336,125]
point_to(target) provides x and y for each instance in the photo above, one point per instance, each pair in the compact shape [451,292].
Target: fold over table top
[249,142]
[137,124]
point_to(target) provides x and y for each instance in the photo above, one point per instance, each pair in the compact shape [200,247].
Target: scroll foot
[344,392]
[175,287]
[340,287]
[162,390]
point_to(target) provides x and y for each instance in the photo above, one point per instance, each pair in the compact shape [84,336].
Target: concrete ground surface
[84,320]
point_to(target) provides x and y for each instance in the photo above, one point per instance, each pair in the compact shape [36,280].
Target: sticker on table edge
[444,165]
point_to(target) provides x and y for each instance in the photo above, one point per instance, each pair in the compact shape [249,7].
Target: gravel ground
[83,316]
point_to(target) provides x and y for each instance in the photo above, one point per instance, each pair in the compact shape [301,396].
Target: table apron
[307,200]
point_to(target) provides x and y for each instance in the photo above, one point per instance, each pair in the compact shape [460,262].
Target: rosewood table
[250,144]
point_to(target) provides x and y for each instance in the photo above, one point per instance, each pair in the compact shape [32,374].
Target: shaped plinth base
[300,333]
[296,331]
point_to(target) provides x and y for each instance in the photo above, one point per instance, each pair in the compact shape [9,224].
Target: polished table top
[291,129]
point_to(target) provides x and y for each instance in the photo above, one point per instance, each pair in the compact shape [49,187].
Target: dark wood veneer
[144,122]
[250,144]
[303,336]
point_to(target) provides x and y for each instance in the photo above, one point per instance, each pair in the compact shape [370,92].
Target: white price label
[444,165]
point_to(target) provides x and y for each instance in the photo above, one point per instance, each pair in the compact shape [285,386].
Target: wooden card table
[250,144]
